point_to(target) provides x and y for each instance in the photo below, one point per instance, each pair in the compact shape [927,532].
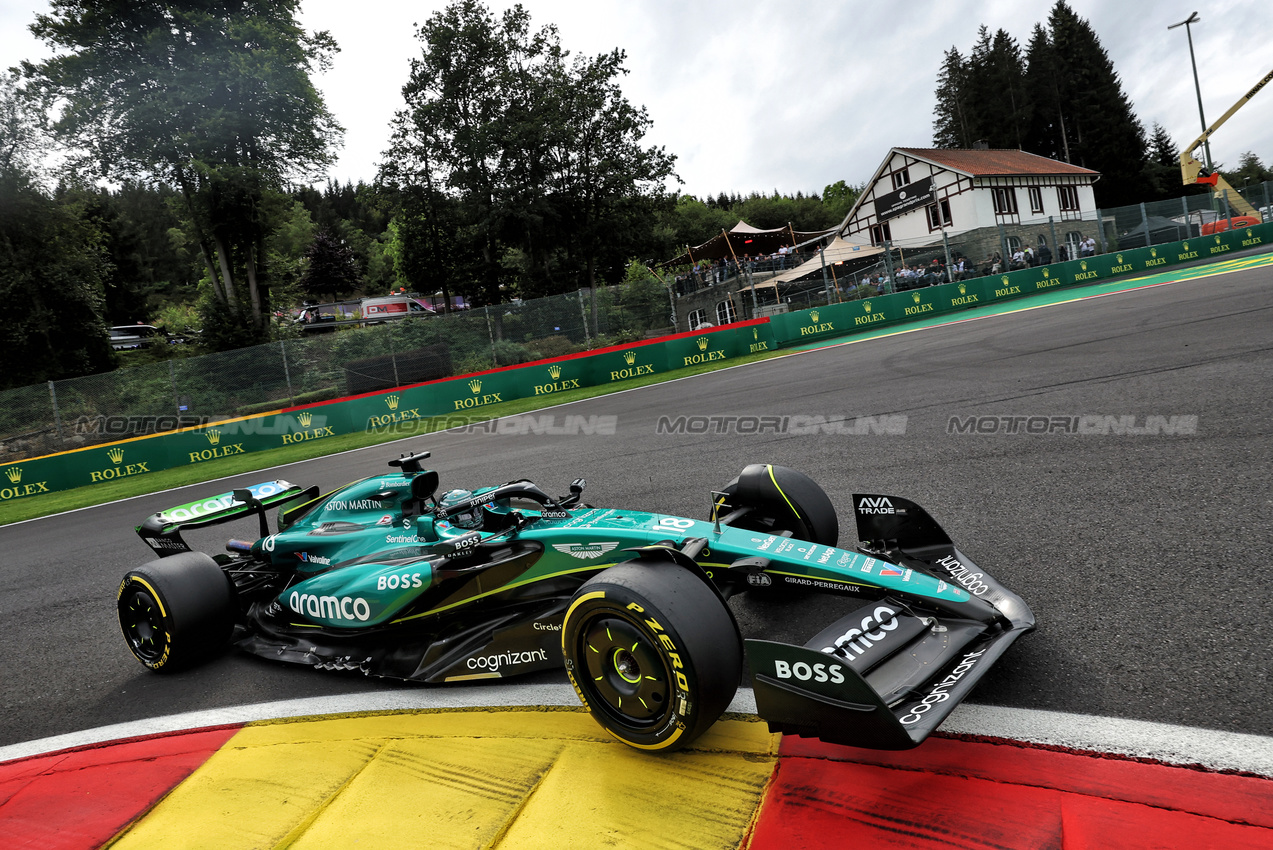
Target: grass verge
[96,494]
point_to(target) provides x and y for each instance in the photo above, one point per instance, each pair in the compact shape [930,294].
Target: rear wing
[161,531]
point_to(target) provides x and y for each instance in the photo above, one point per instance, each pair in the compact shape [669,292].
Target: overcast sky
[757,97]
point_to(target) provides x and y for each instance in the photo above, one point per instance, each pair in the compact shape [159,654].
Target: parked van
[375,310]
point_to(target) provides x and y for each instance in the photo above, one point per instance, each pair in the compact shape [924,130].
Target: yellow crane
[1192,171]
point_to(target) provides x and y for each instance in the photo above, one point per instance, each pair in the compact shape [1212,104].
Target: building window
[938,215]
[1068,197]
[1005,200]
[1073,242]
[725,313]
[1014,244]
[901,178]
[880,233]
[1036,200]
[696,318]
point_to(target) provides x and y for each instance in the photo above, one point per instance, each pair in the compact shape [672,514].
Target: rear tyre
[653,654]
[176,611]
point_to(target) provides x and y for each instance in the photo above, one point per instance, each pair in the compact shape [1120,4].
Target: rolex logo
[963,289]
[1153,252]
[813,315]
[392,401]
[755,333]
[867,306]
[1248,233]
[554,372]
[13,473]
[629,357]
[1005,280]
[1120,259]
[475,385]
[915,297]
[1217,240]
[1045,271]
[702,343]
[1083,265]
[214,437]
[304,419]
[116,455]
[1186,245]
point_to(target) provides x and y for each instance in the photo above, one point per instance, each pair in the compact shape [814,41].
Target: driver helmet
[468,519]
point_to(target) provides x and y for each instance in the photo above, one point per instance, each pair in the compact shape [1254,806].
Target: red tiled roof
[995,163]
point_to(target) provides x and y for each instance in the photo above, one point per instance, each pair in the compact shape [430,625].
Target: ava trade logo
[18,490]
[478,399]
[120,469]
[557,384]
[633,368]
[213,436]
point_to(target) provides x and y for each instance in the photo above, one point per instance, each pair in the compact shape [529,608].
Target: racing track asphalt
[1144,557]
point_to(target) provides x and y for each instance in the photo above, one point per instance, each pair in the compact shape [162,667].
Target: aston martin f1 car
[389,577]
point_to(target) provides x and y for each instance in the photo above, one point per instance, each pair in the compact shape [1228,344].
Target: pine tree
[950,122]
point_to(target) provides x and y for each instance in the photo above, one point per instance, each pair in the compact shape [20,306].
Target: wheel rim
[143,624]
[625,672]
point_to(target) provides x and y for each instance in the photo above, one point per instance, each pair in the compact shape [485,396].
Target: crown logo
[1083,265]
[392,401]
[1217,239]
[702,343]
[915,295]
[214,437]
[1120,259]
[554,372]
[304,419]
[475,385]
[1045,271]
[1186,245]
[1005,280]
[962,289]
[115,454]
[629,357]
[755,334]
[1153,252]
[867,305]
[1248,233]
[13,473]
[813,314]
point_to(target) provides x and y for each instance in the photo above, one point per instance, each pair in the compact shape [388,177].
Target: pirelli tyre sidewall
[653,653]
[176,611]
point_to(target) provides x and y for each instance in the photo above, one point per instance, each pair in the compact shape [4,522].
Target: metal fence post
[57,416]
[172,379]
[1056,246]
[1264,215]
[1144,222]
[490,332]
[950,265]
[1224,198]
[1100,232]
[888,265]
[287,373]
[583,314]
[393,355]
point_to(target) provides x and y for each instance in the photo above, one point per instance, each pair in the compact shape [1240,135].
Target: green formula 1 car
[392,577]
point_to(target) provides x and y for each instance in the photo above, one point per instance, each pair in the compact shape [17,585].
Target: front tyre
[653,653]
[176,611]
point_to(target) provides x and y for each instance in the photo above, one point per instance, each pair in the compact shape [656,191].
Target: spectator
[1045,253]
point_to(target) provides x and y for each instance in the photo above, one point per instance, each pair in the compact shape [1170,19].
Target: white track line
[1163,742]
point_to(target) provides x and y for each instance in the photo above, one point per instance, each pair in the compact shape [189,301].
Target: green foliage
[330,267]
[1062,100]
